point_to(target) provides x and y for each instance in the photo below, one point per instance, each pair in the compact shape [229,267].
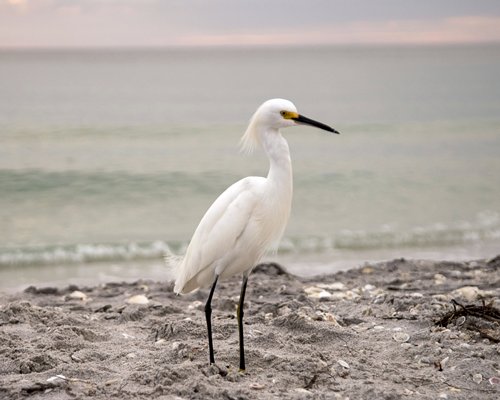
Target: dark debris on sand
[398,329]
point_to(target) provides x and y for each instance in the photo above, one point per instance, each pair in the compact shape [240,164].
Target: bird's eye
[283,113]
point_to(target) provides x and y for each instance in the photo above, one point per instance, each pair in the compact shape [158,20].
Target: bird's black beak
[300,119]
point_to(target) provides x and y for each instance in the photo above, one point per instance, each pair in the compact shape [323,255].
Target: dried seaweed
[484,319]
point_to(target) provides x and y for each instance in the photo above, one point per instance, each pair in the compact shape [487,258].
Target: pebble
[131,355]
[477,378]
[137,299]
[343,364]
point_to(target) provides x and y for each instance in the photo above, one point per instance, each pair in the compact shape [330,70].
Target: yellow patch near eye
[289,114]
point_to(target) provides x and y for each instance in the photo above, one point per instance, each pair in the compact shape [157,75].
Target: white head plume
[267,116]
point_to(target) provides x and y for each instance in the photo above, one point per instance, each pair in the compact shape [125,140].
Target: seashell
[256,386]
[494,380]
[469,293]
[137,299]
[56,378]
[316,292]
[331,318]
[401,337]
[195,305]
[439,279]
[335,286]
[77,295]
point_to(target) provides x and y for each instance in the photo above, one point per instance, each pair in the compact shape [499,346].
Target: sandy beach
[398,329]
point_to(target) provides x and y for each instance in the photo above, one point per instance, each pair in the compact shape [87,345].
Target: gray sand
[367,333]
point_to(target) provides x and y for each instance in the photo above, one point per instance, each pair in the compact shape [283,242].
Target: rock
[343,364]
[477,378]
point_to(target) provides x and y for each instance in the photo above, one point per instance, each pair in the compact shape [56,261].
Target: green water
[125,150]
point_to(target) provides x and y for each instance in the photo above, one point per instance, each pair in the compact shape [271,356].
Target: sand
[366,333]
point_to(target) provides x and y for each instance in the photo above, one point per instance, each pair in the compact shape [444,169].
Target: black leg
[239,315]
[208,316]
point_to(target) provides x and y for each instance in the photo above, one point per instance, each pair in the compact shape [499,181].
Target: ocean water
[109,158]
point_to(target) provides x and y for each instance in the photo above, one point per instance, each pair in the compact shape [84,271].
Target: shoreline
[369,332]
[306,264]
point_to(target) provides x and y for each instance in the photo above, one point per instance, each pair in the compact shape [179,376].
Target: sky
[164,23]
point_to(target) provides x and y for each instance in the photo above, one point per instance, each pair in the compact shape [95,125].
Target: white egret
[247,219]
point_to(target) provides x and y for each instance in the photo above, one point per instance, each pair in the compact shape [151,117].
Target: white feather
[250,217]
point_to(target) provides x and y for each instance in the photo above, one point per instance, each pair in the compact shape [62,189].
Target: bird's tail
[172,261]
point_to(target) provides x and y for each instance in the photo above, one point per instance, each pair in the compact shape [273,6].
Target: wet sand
[375,332]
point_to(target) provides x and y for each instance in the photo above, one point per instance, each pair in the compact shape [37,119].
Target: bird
[248,219]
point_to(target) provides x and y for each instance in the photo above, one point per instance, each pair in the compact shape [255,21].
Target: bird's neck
[276,149]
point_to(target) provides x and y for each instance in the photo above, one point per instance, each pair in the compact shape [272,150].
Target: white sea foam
[485,228]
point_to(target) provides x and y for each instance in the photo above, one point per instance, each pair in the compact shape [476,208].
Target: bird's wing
[219,229]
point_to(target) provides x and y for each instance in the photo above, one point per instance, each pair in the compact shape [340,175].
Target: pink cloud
[473,29]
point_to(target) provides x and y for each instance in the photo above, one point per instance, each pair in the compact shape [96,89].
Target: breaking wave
[485,228]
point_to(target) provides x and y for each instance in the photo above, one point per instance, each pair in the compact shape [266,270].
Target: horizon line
[492,42]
